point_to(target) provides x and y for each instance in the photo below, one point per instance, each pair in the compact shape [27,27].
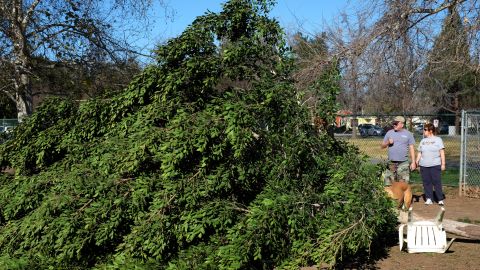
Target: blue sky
[308,15]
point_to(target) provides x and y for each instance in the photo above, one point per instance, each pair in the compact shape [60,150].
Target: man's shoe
[429,201]
[441,203]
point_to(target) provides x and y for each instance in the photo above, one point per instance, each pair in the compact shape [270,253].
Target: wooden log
[467,230]
[470,231]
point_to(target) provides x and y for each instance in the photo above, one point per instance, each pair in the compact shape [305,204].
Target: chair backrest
[438,219]
[427,235]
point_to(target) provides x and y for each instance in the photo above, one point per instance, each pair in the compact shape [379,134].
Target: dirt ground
[463,254]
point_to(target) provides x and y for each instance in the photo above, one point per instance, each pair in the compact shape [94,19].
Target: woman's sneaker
[441,202]
[429,201]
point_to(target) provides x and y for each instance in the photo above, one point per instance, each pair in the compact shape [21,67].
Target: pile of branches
[206,160]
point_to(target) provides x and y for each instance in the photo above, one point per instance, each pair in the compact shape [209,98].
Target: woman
[431,159]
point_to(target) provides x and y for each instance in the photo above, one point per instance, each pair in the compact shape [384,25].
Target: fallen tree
[207,160]
[468,230]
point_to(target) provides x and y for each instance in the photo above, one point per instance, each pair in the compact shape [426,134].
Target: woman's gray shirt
[430,150]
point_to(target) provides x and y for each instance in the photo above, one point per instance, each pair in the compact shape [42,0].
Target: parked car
[443,129]
[5,129]
[386,128]
[362,129]
[370,130]
[419,128]
[376,131]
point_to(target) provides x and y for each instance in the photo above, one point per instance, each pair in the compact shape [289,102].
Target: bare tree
[62,30]
[394,50]
[348,40]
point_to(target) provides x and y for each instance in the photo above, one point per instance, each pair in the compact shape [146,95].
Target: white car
[419,128]
[5,129]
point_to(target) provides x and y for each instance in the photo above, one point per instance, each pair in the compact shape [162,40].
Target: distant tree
[306,48]
[449,81]
[380,63]
[384,57]
[70,80]
[348,44]
[60,30]
[7,108]
[316,76]
[7,104]
[77,81]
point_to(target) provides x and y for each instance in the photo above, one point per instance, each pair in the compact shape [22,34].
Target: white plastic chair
[425,235]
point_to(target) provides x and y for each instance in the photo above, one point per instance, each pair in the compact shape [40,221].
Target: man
[400,143]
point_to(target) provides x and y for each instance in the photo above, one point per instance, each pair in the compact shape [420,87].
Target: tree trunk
[23,90]
[470,231]
[457,116]
[23,86]
[23,98]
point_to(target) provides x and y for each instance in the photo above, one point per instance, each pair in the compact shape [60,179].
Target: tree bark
[23,98]
[470,231]
[23,87]
[458,115]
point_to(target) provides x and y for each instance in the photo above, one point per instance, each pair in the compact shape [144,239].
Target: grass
[452,147]
[370,146]
[449,177]
[468,220]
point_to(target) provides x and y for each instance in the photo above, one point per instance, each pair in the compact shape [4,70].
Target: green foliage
[206,161]
[452,83]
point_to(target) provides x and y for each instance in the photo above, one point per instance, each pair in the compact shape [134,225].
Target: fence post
[461,180]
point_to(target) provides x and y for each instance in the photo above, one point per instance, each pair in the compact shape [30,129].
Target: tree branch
[428,12]
[9,95]
[431,11]
[39,30]
[29,13]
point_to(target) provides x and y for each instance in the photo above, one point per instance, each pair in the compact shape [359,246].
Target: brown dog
[401,192]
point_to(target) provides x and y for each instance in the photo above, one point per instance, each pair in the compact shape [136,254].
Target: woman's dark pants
[431,177]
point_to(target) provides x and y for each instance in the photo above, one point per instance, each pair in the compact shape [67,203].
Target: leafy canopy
[206,161]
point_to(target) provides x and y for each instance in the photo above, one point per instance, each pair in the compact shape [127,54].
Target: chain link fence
[470,155]
[367,132]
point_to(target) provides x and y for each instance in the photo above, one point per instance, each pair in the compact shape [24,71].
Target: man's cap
[399,119]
